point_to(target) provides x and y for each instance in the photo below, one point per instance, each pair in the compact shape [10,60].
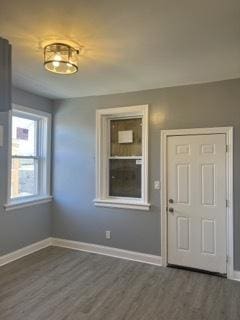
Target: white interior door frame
[228,131]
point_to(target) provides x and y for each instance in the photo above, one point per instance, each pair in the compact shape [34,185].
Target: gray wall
[75,217]
[30,100]
[21,227]
[5,75]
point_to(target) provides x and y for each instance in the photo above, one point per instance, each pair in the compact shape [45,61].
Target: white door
[197,201]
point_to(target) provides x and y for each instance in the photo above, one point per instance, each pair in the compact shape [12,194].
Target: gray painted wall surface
[75,217]
[5,75]
[21,227]
[30,100]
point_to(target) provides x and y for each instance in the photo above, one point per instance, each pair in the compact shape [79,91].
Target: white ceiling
[128,45]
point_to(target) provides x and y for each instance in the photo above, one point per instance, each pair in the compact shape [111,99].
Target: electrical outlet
[108,234]
[157,185]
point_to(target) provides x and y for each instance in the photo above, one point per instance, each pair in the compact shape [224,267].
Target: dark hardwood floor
[62,284]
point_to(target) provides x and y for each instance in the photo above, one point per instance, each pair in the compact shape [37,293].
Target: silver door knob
[171,210]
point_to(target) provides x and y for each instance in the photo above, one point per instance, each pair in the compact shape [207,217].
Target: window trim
[102,145]
[44,186]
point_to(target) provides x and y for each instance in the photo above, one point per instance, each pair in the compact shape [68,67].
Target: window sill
[13,205]
[134,205]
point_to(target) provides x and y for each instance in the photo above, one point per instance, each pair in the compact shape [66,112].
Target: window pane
[24,136]
[24,177]
[125,178]
[126,137]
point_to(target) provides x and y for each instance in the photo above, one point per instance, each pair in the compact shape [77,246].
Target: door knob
[171,210]
[170,201]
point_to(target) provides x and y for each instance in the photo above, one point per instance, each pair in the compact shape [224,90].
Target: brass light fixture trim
[61,58]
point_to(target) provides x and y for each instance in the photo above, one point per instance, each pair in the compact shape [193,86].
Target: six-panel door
[197,201]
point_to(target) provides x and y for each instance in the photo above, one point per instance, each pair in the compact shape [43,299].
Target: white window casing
[103,117]
[43,157]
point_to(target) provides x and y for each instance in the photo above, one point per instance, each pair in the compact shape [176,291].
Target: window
[29,169]
[122,158]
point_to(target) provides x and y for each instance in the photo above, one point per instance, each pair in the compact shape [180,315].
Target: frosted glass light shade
[61,58]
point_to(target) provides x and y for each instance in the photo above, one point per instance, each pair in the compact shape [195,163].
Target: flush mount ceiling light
[61,58]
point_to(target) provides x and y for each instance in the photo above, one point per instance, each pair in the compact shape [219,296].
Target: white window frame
[44,156]
[103,117]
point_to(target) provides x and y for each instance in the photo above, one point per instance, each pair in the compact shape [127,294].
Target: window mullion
[25,157]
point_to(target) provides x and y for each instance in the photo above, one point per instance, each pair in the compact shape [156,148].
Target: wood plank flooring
[62,284]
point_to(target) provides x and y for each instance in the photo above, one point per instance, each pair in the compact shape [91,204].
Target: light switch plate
[157,185]
[108,234]
[1,136]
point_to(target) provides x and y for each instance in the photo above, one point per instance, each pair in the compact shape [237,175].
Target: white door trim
[228,131]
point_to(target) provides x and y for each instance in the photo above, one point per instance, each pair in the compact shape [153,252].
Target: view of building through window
[125,160]
[24,173]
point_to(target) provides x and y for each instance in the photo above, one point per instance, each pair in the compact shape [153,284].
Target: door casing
[228,131]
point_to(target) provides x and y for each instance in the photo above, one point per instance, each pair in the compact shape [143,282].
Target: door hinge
[227,147]
[227,258]
[227,203]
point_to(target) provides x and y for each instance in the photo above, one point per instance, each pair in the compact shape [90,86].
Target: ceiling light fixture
[61,58]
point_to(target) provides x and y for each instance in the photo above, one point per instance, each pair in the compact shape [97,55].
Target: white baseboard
[12,256]
[236,275]
[89,247]
[108,251]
